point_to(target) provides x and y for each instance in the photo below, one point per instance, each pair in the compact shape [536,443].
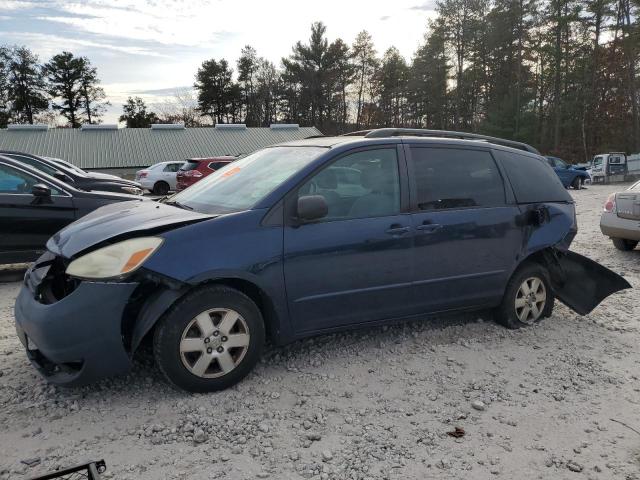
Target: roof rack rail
[419,132]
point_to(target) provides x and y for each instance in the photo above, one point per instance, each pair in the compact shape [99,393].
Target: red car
[195,169]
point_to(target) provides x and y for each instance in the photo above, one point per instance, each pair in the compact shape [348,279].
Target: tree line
[562,75]
[66,85]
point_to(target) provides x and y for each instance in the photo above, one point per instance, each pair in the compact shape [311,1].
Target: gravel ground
[542,402]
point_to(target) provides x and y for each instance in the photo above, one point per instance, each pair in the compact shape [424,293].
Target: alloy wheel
[214,343]
[530,301]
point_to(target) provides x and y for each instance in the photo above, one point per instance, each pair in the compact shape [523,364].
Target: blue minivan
[304,238]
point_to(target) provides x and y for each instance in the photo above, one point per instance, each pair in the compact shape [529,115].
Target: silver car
[621,218]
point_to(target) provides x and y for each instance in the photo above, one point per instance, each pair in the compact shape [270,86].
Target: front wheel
[209,340]
[527,299]
[624,245]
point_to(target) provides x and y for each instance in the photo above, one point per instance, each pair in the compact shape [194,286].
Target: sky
[152,48]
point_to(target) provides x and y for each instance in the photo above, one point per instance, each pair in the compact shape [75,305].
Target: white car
[620,219]
[160,178]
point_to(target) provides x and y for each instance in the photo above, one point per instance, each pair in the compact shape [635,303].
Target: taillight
[142,174]
[193,173]
[610,204]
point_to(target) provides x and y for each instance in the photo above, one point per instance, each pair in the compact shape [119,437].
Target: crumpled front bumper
[77,339]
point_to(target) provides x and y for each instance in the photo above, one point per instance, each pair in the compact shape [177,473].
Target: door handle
[429,227]
[397,230]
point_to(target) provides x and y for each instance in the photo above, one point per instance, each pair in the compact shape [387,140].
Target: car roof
[46,160]
[223,158]
[332,142]
[35,172]
[404,135]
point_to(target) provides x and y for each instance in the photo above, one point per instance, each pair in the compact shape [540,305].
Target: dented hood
[119,219]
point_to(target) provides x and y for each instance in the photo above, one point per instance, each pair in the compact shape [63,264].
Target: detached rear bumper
[77,339]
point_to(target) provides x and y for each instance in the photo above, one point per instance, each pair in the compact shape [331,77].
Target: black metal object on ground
[88,471]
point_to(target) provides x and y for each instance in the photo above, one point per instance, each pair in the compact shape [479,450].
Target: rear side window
[449,178]
[172,167]
[217,165]
[532,179]
[189,165]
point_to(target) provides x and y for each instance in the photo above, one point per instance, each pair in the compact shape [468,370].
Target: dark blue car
[301,239]
[569,175]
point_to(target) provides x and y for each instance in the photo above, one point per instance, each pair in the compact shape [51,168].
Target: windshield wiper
[178,204]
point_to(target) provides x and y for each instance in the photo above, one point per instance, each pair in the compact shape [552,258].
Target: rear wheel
[528,298]
[577,183]
[210,340]
[161,188]
[624,245]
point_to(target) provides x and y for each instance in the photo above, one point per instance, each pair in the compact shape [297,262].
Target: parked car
[281,244]
[34,206]
[160,178]
[620,218]
[80,171]
[195,169]
[80,179]
[569,175]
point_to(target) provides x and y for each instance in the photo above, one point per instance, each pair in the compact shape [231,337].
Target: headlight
[132,190]
[115,260]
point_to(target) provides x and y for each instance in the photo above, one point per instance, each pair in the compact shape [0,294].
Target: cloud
[57,43]
[163,91]
[146,47]
[14,5]
[428,6]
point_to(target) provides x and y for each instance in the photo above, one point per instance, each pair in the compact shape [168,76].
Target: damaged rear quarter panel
[577,281]
[555,227]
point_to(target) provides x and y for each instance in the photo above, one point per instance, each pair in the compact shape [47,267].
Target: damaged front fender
[579,282]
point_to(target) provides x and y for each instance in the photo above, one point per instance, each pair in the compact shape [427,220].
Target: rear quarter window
[532,179]
[189,165]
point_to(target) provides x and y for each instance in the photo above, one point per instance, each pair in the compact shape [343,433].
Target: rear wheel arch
[161,187]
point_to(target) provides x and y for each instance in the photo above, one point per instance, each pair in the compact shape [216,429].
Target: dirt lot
[541,402]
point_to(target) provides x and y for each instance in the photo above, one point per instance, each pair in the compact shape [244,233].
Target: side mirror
[40,190]
[61,176]
[312,207]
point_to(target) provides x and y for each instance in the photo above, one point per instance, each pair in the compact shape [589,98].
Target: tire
[193,361]
[510,313]
[161,188]
[624,245]
[577,183]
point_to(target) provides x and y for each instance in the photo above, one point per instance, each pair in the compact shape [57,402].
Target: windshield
[243,183]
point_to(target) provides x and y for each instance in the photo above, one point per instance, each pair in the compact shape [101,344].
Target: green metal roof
[141,147]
